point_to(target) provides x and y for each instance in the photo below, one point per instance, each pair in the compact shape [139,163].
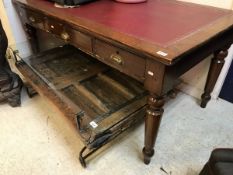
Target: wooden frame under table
[153,42]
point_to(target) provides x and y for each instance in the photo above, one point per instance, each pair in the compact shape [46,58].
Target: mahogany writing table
[153,42]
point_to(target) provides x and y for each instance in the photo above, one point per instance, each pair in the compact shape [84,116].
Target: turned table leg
[215,69]
[152,121]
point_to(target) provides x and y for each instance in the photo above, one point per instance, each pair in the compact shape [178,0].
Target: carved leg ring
[152,122]
[215,69]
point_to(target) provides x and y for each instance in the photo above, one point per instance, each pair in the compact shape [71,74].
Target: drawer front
[32,18]
[120,59]
[80,40]
[54,26]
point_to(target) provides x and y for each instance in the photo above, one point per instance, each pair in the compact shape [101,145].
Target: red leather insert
[160,22]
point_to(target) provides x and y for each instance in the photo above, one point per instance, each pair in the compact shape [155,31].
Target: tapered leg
[152,122]
[215,69]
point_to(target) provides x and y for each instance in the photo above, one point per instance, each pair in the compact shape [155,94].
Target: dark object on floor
[72,2]
[220,163]
[10,83]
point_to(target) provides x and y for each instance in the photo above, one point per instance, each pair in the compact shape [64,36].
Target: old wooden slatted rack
[98,99]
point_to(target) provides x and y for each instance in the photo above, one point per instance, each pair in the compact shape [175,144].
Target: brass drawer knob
[32,19]
[65,36]
[117,59]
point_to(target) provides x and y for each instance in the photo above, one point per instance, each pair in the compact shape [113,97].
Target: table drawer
[80,40]
[120,59]
[100,101]
[32,18]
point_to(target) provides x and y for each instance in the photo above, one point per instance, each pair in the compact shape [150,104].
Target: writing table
[153,42]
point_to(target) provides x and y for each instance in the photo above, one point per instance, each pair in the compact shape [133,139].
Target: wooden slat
[117,85]
[84,103]
[91,97]
[63,103]
[106,93]
[134,86]
[49,55]
[45,71]
[72,78]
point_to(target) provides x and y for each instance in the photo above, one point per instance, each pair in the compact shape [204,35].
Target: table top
[164,29]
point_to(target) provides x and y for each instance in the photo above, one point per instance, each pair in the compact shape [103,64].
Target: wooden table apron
[133,56]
